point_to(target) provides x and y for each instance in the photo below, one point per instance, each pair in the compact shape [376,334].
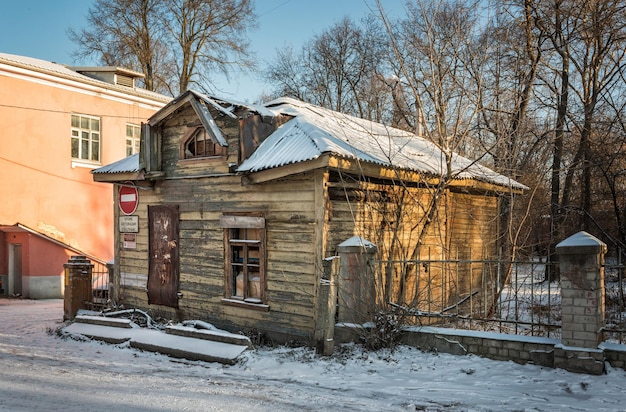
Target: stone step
[104,321]
[212,335]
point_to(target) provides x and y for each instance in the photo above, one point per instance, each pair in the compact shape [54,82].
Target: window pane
[190,149]
[95,125]
[84,149]
[75,121]
[200,135]
[238,290]
[84,123]
[253,234]
[254,286]
[95,151]
[75,148]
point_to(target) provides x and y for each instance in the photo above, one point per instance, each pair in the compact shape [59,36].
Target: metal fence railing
[99,284]
[615,312]
[512,297]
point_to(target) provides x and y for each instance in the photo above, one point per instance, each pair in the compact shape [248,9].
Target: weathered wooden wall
[290,272]
[463,224]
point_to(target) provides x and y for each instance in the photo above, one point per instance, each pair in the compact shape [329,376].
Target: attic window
[198,144]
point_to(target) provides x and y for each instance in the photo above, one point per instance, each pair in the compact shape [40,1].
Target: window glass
[199,144]
[85,134]
[133,133]
[75,150]
[246,262]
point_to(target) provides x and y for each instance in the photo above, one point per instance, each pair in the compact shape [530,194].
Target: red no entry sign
[129,199]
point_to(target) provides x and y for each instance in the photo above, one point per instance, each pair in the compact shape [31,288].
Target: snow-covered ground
[41,371]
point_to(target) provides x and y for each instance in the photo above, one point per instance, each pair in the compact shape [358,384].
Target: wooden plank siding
[288,208]
[464,223]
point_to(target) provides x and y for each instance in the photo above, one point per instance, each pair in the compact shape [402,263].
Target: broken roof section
[314,131]
[201,104]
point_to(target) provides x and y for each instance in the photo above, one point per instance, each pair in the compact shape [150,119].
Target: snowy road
[40,371]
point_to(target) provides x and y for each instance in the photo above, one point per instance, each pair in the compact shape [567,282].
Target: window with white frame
[133,133]
[86,138]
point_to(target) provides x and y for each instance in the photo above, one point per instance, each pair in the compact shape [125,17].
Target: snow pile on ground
[41,371]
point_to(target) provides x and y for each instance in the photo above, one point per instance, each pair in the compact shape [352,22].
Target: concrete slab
[212,335]
[104,321]
[107,334]
[186,347]
[158,341]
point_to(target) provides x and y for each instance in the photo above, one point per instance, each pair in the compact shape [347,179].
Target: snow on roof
[315,131]
[64,71]
[39,64]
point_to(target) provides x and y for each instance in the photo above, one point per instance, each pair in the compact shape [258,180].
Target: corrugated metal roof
[315,131]
[129,164]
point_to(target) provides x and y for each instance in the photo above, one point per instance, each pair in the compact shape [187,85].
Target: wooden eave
[118,177]
[372,170]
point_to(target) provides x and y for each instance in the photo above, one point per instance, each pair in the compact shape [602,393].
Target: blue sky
[37,28]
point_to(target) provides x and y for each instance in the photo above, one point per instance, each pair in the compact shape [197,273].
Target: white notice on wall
[129,224]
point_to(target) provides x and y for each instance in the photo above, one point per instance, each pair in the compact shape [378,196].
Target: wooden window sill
[246,305]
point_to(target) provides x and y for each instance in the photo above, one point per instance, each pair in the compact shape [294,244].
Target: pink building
[57,124]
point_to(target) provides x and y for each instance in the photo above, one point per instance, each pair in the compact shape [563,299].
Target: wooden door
[163,248]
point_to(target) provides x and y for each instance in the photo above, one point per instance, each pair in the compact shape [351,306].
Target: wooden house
[238,205]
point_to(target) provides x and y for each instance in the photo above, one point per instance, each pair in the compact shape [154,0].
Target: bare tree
[437,58]
[173,43]
[584,65]
[341,69]
[125,33]
[210,35]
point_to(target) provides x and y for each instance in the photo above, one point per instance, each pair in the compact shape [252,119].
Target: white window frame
[132,141]
[86,138]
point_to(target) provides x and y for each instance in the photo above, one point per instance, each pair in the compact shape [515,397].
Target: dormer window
[198,144]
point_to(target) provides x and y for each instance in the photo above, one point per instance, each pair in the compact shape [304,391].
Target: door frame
[15,285]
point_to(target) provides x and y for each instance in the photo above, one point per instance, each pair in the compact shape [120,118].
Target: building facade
[57,124]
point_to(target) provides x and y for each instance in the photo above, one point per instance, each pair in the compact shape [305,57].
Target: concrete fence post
[327,307]
[356,285]
[581,263]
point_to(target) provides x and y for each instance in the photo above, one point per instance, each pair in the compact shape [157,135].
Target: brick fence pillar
[581,260]
[77,294]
